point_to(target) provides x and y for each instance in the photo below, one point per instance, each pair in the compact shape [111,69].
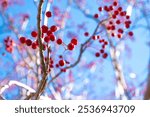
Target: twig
[82,50]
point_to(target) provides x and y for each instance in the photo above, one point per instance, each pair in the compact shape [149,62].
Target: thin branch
[39,35]
[82,50]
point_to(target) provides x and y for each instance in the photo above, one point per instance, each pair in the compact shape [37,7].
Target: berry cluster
[9,44]
[118,22]
[103,46]
[48,36]
[116,25]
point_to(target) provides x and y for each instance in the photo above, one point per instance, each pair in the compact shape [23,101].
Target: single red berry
[70,46]
[118,22]
[57,65]
[120,30]
[106,43]
[86,34]
[52,37]
[119,36]
[98,37]
[127,17]
[106,8]
[111,8]
[103,46]
[127,25]
[59,41]
[63,70]
[34,46]
[60,56]
[110,22]
[108,27]
[44,29]
[130,33]
[120,9]
[112,34]
[47,39]
[115,3]
[74,41]
[94,37]
[96,16]
[48,14]
[105,55]
[116,12]
[61,62]
[22,39]
[28,42]
[97,54]
[49,32]
[53,28]
[113,27]
[100,8]
[114,16]
[34,34]
[102,51]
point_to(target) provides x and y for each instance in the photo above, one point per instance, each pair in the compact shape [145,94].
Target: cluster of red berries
[103,43]
[48,35]
[118,22]
[9,43]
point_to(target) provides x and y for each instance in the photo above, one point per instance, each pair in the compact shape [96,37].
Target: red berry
[49,32]
[70,46]
[97,54]
[115,3]
[53,28]
[116,12]
[74,41]
[22,39]
[59,41]
[119,35]
[100,8]
[47,39]
[52,37]
[127,17]
[61,62]
[106,8]
[114,16]
[34,34]
[113,27]
[57,65]
[96,16]
[130,33]
[28,42]
[34,45]
[102,51]
[44,29]
[48,14]
[105,55]
[120,9]
[112,34]
[106,43]
[111,8]
[127,25]
[94,37]
[86,34]
[120,30]
[118,22]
